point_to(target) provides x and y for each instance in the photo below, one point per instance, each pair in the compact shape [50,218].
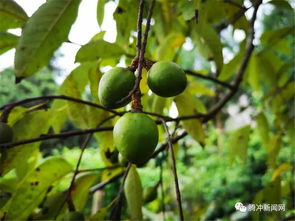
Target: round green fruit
[114,85]
[136,137]
[74,216]
[166,79]
[6,133]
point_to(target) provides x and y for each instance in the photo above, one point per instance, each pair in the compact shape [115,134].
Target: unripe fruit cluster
[136,134]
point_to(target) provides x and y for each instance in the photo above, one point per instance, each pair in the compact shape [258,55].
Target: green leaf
[133,194]
[281,3]
[168,46]
[44,32]
[158,104]
[32,189]
[27,127]
[205,37]
[11,15]
[94,76]
[98,49]
[263,128]
[81,190]
[100,11]
[197,88]
[51,206]
[187,9]
[186,106]
[274,149]
[230,68]
[73,86]
[276,37]
[238,144]
[7,41]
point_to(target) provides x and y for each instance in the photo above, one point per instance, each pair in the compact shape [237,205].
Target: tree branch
[8,107]
[54,136]
[178,195]
[206,77]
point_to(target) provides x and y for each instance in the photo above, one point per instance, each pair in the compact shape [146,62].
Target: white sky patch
[188,44]
[84,28]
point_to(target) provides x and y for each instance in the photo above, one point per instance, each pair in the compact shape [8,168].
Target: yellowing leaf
[282,168]
[195,87]
[31,190]
[133,194]
[166,50]
[185,103]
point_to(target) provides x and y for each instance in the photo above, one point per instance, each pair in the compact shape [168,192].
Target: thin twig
[178,195]
[206,77]
[98,169]
[54,136]
[10,106]
[239,77]
[162,192]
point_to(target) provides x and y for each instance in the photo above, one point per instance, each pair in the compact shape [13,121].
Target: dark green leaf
[100,11]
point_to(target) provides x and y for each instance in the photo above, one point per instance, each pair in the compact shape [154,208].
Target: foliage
[222,157]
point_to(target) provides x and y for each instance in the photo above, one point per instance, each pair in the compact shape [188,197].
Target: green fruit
[115,85]
[122,160]
[71,216]
[166,79]
[136,137]
[6,133]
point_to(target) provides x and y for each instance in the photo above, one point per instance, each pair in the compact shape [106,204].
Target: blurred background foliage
[248,151]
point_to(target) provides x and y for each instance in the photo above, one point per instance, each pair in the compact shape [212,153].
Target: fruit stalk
[141,46]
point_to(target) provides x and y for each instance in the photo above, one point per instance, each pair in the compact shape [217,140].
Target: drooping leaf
[263,128]
[73,86]
[81,189]
[98,49]
[32,189]
[238,144]
[208,41]
[100,11]
[44,32]
[11,15]
[133,194]
[274,149]
[185,103]
[197,88]
[28,127]
[7,41]
[51,206]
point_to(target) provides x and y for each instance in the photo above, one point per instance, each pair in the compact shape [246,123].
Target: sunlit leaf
[282,168]
[28,127]
[11,15]
[7,41]
[186,106]
[81,189]
[263,128]
[205,37]
[133,194]
[166,51]
[43,34]
[98,49]
[32,189]
[197,88]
